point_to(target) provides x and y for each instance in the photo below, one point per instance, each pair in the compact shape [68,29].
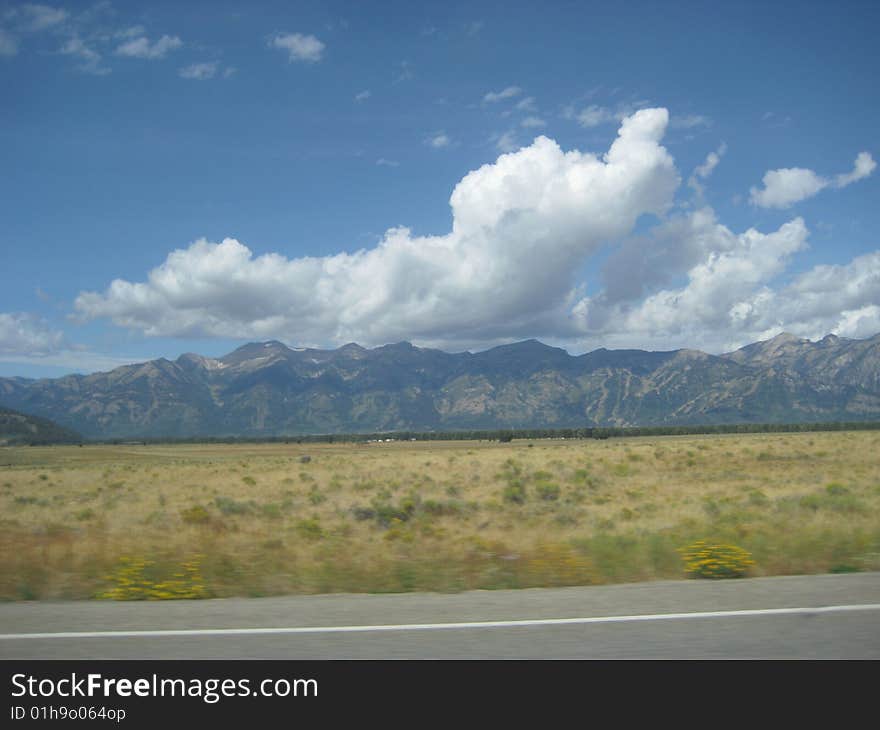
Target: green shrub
[229,506]
[386,511]
[441,509]
[758,498]
[514,493]
[271,511]
[844,568]
[363,513]
[835,497]
[711,507]
[548,492]
[310,529]
[195,515]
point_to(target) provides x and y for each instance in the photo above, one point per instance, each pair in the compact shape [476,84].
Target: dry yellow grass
[140,521]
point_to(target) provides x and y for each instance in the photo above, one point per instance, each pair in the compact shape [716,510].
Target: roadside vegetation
[214,520]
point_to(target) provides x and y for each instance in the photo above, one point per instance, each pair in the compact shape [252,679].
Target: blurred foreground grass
[250,520]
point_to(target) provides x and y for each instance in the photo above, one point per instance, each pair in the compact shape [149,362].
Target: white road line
[433,627]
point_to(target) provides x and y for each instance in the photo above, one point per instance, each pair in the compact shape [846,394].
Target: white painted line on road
[433,627]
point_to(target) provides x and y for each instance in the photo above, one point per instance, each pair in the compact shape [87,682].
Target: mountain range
[269,389]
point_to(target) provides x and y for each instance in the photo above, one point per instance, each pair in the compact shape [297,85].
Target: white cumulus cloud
[711,162]
[521,227]
[438,140]
[863,166]
[532,122]
[721,292]
[142,48]
[506,142]
[728,298]
[787,186]
[26,334]
[508,93]
[132,31]
[839,298]
[594,116]
[299,47]
[689,121]
[524,228]
[91,59]
[704,170]
[199,71]
[35,17]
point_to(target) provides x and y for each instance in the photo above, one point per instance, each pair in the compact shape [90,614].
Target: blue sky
[628,174]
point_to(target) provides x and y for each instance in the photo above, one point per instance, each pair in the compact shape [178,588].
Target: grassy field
[134,521]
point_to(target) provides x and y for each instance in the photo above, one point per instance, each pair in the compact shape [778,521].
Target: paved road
[797,617]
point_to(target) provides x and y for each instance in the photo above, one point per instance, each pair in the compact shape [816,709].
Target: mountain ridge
[270,389]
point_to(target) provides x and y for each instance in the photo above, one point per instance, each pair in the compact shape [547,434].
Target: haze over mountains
[269,389]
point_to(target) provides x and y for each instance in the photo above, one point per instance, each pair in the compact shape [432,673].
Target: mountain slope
[19,428]
[266,389]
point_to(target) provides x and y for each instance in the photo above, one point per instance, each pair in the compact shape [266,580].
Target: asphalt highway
[795,617]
